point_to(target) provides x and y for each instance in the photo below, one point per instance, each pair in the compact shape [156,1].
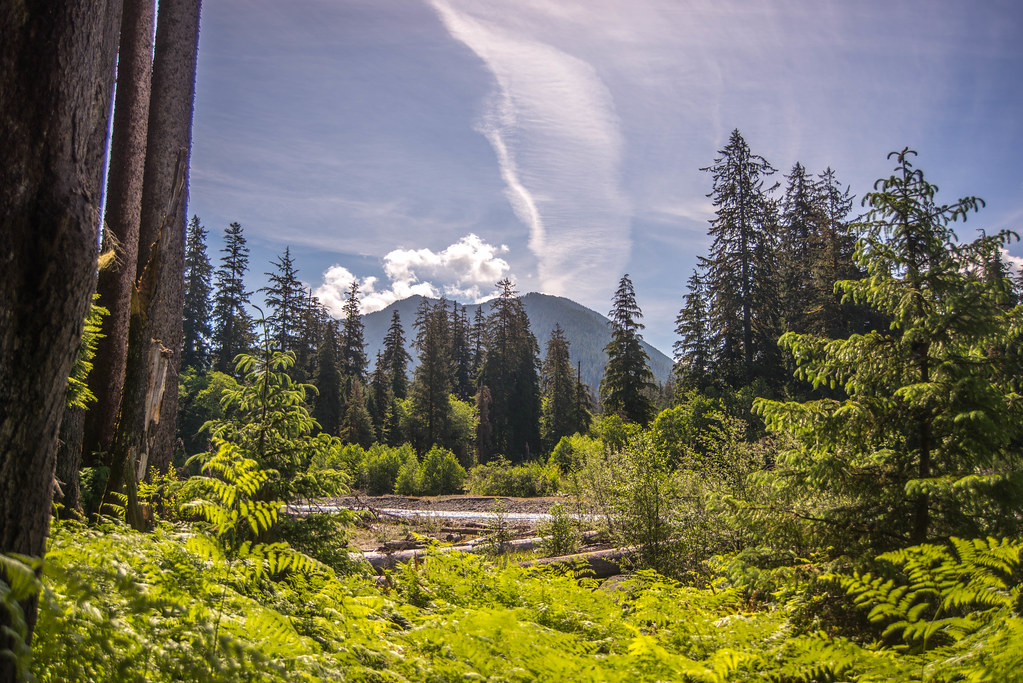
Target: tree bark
[169,135]
[56,81]
[123,209]
[69,459]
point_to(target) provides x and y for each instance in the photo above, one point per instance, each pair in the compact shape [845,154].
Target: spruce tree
[740,267]
[693,350]
[357,425]
[196,351]
[352,360]
[509,369]
[561,413]
[923,447]
[380,398]
[627,376]
[461,353]
[328,408]
[431,384]
[800,223]
[232,325]
[285,299]
[395,358]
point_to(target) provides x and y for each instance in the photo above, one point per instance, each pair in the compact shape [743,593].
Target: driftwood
[600,564]
[380,561]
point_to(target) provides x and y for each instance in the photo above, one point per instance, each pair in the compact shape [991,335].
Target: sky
[437,146]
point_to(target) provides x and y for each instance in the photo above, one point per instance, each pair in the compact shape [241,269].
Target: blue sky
[436,146]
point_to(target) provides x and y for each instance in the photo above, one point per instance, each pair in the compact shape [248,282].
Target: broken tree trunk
[599,563]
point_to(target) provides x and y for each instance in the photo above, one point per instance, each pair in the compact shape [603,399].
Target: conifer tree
[431,384]
[801,223]
[627,376]
[380,398]
[461,353]
[232,325]
[196,351]
[923,444]
[509,369]
[285,299]
[693,350]
[357,425]
[831,261]
[739,269]
[328,408]
[352,361]
[478,341]
[395,358]
[561,413]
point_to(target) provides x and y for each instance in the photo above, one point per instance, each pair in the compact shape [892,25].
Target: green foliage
[441,472]
[500,478]
[382,465]
[572,451]
[560,532]
[409,481]
[19,582]
[199,402]
[627,376]
[78,394]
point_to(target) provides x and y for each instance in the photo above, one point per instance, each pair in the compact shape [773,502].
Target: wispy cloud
[463,271]
[554,129]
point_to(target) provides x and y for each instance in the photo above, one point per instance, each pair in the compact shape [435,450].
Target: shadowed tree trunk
[121,232]
[56,81]
[169,136]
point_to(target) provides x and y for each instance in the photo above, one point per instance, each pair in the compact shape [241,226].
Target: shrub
[560,532]
[441,472]
[501,478]
[410,476]
[571,451]
[380,470]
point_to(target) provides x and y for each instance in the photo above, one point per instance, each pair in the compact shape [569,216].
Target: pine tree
[395,358]
[740,268]
[509,369]
[627,376]
[285,299]
[352,361]
[380,399]
[196,351]
[693,350]
[923,445]
[801,222]
[232,325]
[357,425]
[561,413]
[478,342]
[461,353]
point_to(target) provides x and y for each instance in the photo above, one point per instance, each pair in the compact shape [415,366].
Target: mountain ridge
[587,332]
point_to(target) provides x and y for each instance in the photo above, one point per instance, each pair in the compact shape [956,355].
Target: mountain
[587,332]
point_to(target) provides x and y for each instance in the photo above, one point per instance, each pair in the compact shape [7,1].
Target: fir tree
[380,398]
[352,360]
[739,270]
[357,425]
[509,369]
[232,325]
[478,342]
[627,376]
[196,351]
[801,222]
[431,384]
[395,358]
[561,413]
[285,297]
[461,353]
[328,409]
[693,350]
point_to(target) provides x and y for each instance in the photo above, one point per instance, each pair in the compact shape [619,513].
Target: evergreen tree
[395,358]
[627,376]
[431,384]
[693,350]
[328,408]
[740,268]
[196,351]
[380,398]
[478,342]
[357,425]
[832,260]
[232,325]
[510,371]
[561,413]
[352,360]
[285,298]
[461,353]
[312,322]
[801,222]
[924,444]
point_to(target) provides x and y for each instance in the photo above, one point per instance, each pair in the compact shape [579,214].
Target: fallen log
[600,564]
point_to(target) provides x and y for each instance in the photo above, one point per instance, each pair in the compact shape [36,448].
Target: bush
[560,532]
[441,472]
[571,451]
[501,478]
[410,476]
[380,470]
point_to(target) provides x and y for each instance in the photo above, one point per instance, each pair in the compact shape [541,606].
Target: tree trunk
[56,81]
[169,137]
[121,232]
[69,459]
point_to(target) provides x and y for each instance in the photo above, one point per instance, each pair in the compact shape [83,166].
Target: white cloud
[466,270]
[554,129]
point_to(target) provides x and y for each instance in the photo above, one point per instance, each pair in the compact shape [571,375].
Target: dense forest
[828,489]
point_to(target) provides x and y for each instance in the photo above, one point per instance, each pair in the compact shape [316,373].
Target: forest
[827,489]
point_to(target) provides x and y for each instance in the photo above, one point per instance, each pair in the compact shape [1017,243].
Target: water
[446,514]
